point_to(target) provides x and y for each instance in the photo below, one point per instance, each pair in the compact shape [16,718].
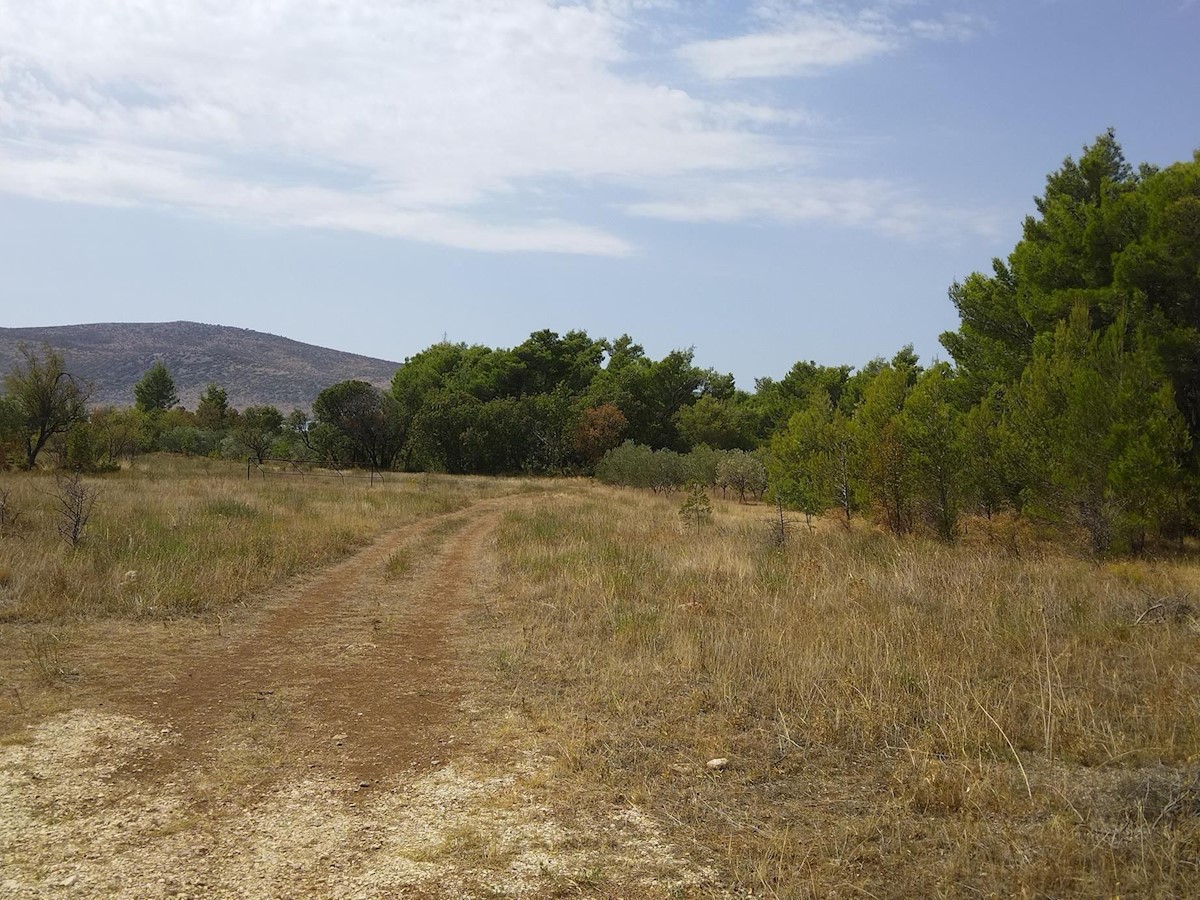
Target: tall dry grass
[176,536]
[901,717]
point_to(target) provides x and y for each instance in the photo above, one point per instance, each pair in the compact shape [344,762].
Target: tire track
[349,672]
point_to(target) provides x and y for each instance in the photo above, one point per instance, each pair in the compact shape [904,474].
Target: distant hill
[253,367]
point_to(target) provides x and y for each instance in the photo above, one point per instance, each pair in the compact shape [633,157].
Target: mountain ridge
[254,367]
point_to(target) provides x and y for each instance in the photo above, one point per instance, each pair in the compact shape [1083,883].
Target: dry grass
[901,718]
[173,536]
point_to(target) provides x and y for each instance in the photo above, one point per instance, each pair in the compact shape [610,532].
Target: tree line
[1072,393]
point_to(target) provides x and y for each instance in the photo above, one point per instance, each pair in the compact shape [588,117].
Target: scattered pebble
[718,764]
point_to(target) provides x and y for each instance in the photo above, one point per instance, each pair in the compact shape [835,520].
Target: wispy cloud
[873,204]
[805,38]
[808,45]
[434,120]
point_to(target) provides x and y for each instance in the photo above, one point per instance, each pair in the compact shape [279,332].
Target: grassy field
[182,540]
[898,717]
[177,536]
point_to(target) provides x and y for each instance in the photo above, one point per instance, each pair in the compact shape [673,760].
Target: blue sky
[766,182]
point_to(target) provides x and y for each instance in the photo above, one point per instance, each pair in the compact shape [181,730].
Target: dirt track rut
[322,747]
[355,669]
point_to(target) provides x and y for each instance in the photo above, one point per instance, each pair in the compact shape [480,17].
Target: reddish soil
[352,672]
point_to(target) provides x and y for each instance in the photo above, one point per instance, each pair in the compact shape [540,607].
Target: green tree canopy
[1121,242]
[257,428]
[1094,429]
[370,420]
[212,411]
[44,399]
[156,390]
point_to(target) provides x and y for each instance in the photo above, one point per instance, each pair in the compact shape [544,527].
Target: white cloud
[807,45]
[435,120]
[804,38]
[872,204]
[118,176]
[434,106]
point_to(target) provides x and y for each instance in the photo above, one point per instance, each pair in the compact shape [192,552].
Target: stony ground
[329,740]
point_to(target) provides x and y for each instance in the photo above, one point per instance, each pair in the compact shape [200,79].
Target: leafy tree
[1160,270]
[701,463]
[80,449]
[841,448]
[668,471]
[439,428]
[156,391]
[329,444]
[45,399]
[981,452]
[497,438]
[257,429]
[599,430]
[719,385]
[636,465]
[295,439]
[931,427]
[724,424]
[630,464]
[548,361]
[1095,431]
[994,341]
[775,402]
[742,472]
[882,449]
[212,412]
[551,421]
[1123,242]
[799,463]
[371,421]
[649,394]
[119,434]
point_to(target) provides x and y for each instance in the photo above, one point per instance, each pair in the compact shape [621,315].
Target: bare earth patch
[327,744]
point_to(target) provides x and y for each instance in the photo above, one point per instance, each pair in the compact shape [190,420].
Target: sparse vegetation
[901,717]
[74,501]
[697,508]
[199,536]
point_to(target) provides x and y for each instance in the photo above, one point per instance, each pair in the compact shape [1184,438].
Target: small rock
[364,784]
[717,765]
[69,881]
[340,737]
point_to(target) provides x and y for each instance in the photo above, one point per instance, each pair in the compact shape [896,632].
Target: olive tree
[45,399]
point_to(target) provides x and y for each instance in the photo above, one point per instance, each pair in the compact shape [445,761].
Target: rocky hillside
[253,367]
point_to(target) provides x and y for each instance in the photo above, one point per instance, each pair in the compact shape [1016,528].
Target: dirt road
[330,743]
